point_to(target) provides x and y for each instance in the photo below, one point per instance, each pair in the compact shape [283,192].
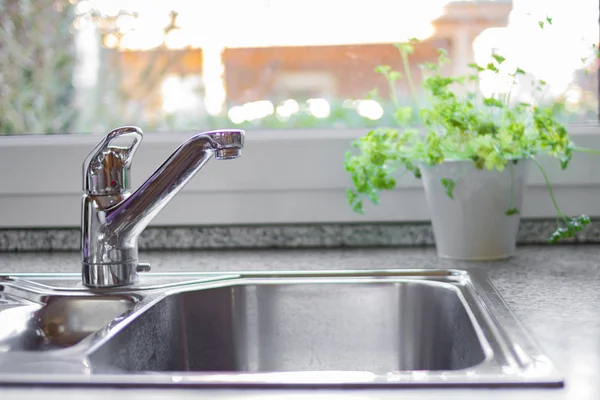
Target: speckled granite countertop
[393,234]
[554,291]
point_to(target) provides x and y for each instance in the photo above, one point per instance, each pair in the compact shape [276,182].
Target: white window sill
[282,177]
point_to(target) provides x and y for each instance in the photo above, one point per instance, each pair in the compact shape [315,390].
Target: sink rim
[525,363]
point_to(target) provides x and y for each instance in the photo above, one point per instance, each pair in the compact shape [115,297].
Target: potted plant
[472,153]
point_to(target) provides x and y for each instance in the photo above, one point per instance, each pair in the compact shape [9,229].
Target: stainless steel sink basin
[350,328]
[278,326]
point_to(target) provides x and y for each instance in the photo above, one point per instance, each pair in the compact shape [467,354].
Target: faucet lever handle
[106,168]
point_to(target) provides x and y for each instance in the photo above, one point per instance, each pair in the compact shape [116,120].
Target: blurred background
[78,66]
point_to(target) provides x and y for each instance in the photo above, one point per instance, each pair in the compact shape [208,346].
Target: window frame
[283,177]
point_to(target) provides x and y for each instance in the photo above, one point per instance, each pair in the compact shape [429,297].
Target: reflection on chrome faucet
[113,218]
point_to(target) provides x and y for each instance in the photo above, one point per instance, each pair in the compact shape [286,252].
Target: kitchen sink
[279,326]
[412,328]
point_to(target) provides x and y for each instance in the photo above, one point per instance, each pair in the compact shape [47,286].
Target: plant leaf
[499,59]
[373,94]
[405,48]
[492,102]
[383,69]
[475,66]
[449,187]
[492,67]
[394,76]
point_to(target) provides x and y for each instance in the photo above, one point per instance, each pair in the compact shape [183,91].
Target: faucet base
[109,275]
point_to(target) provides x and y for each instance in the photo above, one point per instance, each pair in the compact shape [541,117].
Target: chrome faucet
[113,218]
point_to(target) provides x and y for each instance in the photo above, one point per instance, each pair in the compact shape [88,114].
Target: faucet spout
[130,217]
[112,223]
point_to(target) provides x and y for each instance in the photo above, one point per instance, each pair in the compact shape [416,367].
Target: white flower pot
[473,225]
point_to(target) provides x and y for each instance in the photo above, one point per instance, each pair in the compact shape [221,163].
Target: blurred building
[235,73]
[346,71]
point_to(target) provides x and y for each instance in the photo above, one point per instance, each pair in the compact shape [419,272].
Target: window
[297,75]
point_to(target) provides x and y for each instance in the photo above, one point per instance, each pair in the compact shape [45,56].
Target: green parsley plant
[459,123]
